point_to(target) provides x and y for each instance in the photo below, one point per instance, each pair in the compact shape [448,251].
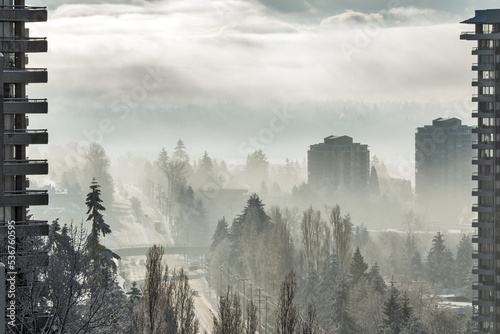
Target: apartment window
[487,90]
[486,44]
[486,59]
[487,75]
[487,28]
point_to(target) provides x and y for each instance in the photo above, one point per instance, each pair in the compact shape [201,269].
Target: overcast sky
[129,67]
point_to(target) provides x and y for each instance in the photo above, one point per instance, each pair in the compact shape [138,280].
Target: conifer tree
[134,294]
[101,256]
[358,266]
[463,262]
[376,280]
[341,318]
[221,233]
[393,320]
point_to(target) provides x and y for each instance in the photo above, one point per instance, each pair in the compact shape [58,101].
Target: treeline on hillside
[334,282]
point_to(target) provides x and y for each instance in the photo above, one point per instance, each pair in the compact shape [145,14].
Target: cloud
[349,17]
[101,59]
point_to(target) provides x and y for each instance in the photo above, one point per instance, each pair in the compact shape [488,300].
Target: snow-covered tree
[358,266]
[341,319]
[439,261]
[308,295]
[376,280]
[393,318]
[100,255]
[134,294]
[221,233]
[463,262]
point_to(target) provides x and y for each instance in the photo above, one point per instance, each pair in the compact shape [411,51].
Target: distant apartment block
[338,162]
[443,155]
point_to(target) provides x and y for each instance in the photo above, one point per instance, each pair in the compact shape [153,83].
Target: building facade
[15,166]
[15,75]
[338,162]
[443,154]
[486,34]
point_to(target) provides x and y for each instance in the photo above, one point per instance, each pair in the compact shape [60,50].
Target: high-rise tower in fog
[486,33]
[338,161]
[443,156]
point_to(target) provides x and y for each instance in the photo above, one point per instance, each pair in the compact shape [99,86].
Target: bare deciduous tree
[287,314]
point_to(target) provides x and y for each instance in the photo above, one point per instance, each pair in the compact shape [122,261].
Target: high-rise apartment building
[15,75]
[443,169]
[338,162]
[486,33]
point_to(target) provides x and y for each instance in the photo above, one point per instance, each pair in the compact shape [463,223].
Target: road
[139,231]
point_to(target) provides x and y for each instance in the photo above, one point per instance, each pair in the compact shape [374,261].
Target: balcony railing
[25,106]
[26,167]
[23,44]
[24,198]
[25,75]
[18,13]
[26,137]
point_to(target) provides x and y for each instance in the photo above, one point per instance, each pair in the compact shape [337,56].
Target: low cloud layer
[151,55]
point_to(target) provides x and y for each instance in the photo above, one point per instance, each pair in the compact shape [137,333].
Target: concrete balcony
[483,286]
[482,240]
[473,36]
[29,227]
[482,177]
[483,146]
[482,51]
[482,224]
[483,302]
[483,161]
[25,106]
[483,67]
[25,137]
[482,208]
[24,198]
[482,114]
[483,192]
[484,129]
[27,75]
[23,14]
[483,82]
[483,256]
[23,44]
[26,167]
[483,98]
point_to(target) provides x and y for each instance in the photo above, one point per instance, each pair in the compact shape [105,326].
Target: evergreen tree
[221,233]
[463,262]
[376,280]
[206,165]
[256,168]
[416,267]
[361,236]
[308,295]
[96,166]
[438,261]
[373,186]
[326,288]
[180,152]
[134,294]
[406,310]
[393,320]
[99,254]
[341,319]
[358,266]
[254,207]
